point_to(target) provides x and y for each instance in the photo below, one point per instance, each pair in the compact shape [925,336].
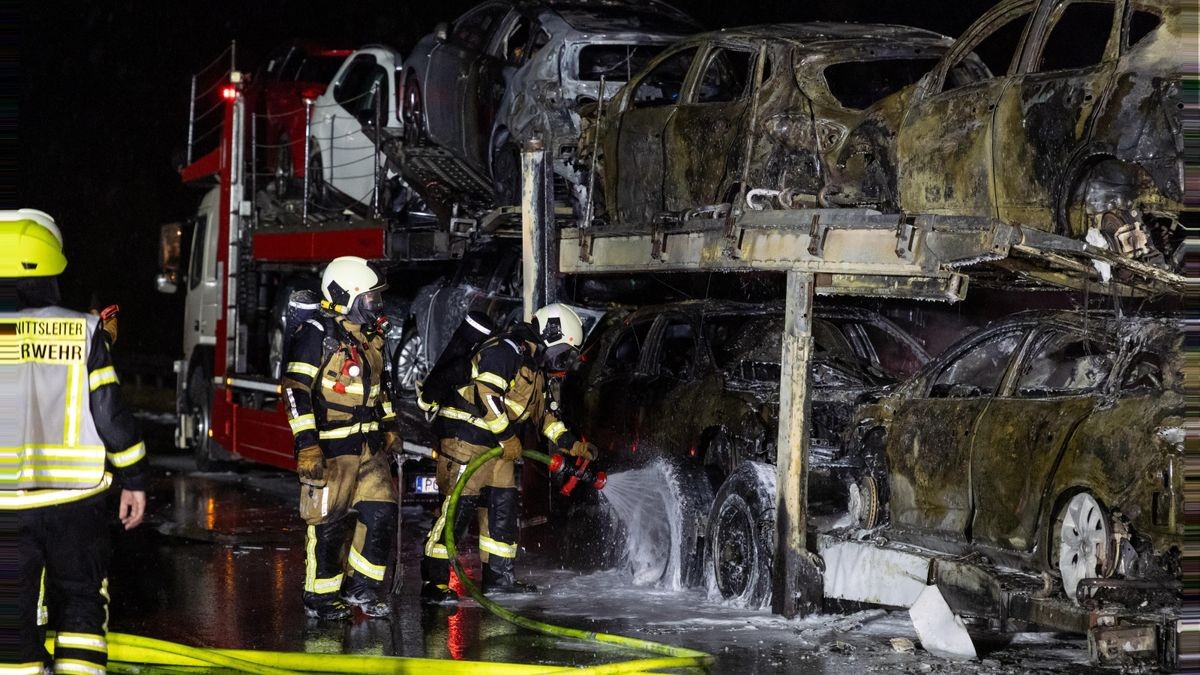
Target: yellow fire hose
[162,656]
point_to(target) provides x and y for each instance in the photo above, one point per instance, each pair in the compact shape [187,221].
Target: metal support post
[539,246]
[375,155]
[797,584]
[191,121]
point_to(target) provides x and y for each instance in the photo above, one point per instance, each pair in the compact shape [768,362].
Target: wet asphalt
[220,563]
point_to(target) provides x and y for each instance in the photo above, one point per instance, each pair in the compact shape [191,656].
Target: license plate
[427,485]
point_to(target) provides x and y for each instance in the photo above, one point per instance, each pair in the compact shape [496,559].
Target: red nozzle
[601,480]
[556,462]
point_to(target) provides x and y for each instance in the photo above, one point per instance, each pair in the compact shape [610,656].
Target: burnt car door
[702,137]
[640,151]
[450,93]
[607,407]
[1021,437]
[944,142]
[929,444]
[675,396]
[1044,119]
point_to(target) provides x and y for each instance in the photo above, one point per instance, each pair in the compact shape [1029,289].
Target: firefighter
[505,393]
[65,440]
[336,409]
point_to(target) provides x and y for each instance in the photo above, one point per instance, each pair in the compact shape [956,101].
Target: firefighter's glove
[310,465]
[585,450]
[512,448]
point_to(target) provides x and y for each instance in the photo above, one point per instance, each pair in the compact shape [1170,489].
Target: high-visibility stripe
[42,612]
[497,547]
[34,668]
[302,368]
[331,585]
[104,594]
[554,430]
[356,389]
[128,456]
[71,431]
[365,567]
[349,430]
[516,408]
[493,379]
[78,667]
[310,558]
[374,391]
[497,425]
[434,548]
[101,377]
[303,423]
[28,499]
[462,416]
[388,411]
[89,641]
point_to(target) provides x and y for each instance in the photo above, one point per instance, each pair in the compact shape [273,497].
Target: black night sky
[102,107]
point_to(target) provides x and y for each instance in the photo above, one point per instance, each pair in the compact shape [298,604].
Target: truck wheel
[409,364]
[205,450]
[741,534]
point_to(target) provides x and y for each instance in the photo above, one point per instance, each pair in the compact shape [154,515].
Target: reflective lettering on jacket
[48,438]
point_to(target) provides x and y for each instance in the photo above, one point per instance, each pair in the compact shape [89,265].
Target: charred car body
[697,383]
[507,72]
[1048,441]
[753,113]
[1075,127]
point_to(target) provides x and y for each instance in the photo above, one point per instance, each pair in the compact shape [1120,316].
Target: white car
[343,160]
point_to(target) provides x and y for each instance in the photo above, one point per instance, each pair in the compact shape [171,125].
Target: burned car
[1051,441]
[697,383]
[1074,126]
[750,113]
[509,71]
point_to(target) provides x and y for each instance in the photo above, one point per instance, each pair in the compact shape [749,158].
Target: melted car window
[624,354]
[726,77]
[896,357]
[614,62]
[677,351]
[1141,24]
[1144,374]
[472,31]
[977,371]
[1063,365]
[661,86]
[517,42]
[1079,37]
[996,49]
[739,338]
[858,84]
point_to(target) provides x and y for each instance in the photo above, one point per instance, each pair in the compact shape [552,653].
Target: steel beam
[797,586]
[539,243]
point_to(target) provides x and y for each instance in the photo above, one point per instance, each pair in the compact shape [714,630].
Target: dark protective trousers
[71,542]
[361,485]
[493,487]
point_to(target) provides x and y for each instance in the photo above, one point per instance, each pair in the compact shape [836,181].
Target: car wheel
[1084,547]
[206,452]
[284,183]
[318,193]
[741,535]
[414,111]
[410,364]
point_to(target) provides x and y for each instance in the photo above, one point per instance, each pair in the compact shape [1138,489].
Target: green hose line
[677,657]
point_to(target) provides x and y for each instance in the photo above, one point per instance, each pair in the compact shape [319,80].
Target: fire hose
[164,656]
[670,655]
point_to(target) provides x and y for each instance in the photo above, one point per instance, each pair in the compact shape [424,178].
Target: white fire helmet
[559,327]
[345,279]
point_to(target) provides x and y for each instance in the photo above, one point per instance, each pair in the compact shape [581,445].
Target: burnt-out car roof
[608,16]
[818,32]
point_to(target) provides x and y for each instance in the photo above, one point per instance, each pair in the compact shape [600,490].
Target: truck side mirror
[441,32]
[170,242]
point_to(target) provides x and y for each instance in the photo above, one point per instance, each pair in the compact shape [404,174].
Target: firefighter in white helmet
[337,409]
[507,394]
[65,440]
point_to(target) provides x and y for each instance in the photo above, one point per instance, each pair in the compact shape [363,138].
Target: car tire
[741,535]
[410,364]
[1083,547]
[314,173]
[207,453]
[284,184]
[414,111]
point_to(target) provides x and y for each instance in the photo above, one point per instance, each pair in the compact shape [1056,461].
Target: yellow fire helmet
[30,245]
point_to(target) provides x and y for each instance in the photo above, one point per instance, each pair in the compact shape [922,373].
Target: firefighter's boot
[325,607]
[498,577]
[435,565]
[323,571]
[500,542]
[365,594]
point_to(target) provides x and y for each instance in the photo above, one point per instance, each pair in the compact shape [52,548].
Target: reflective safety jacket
[332,384]
[62,423]
[507,390]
